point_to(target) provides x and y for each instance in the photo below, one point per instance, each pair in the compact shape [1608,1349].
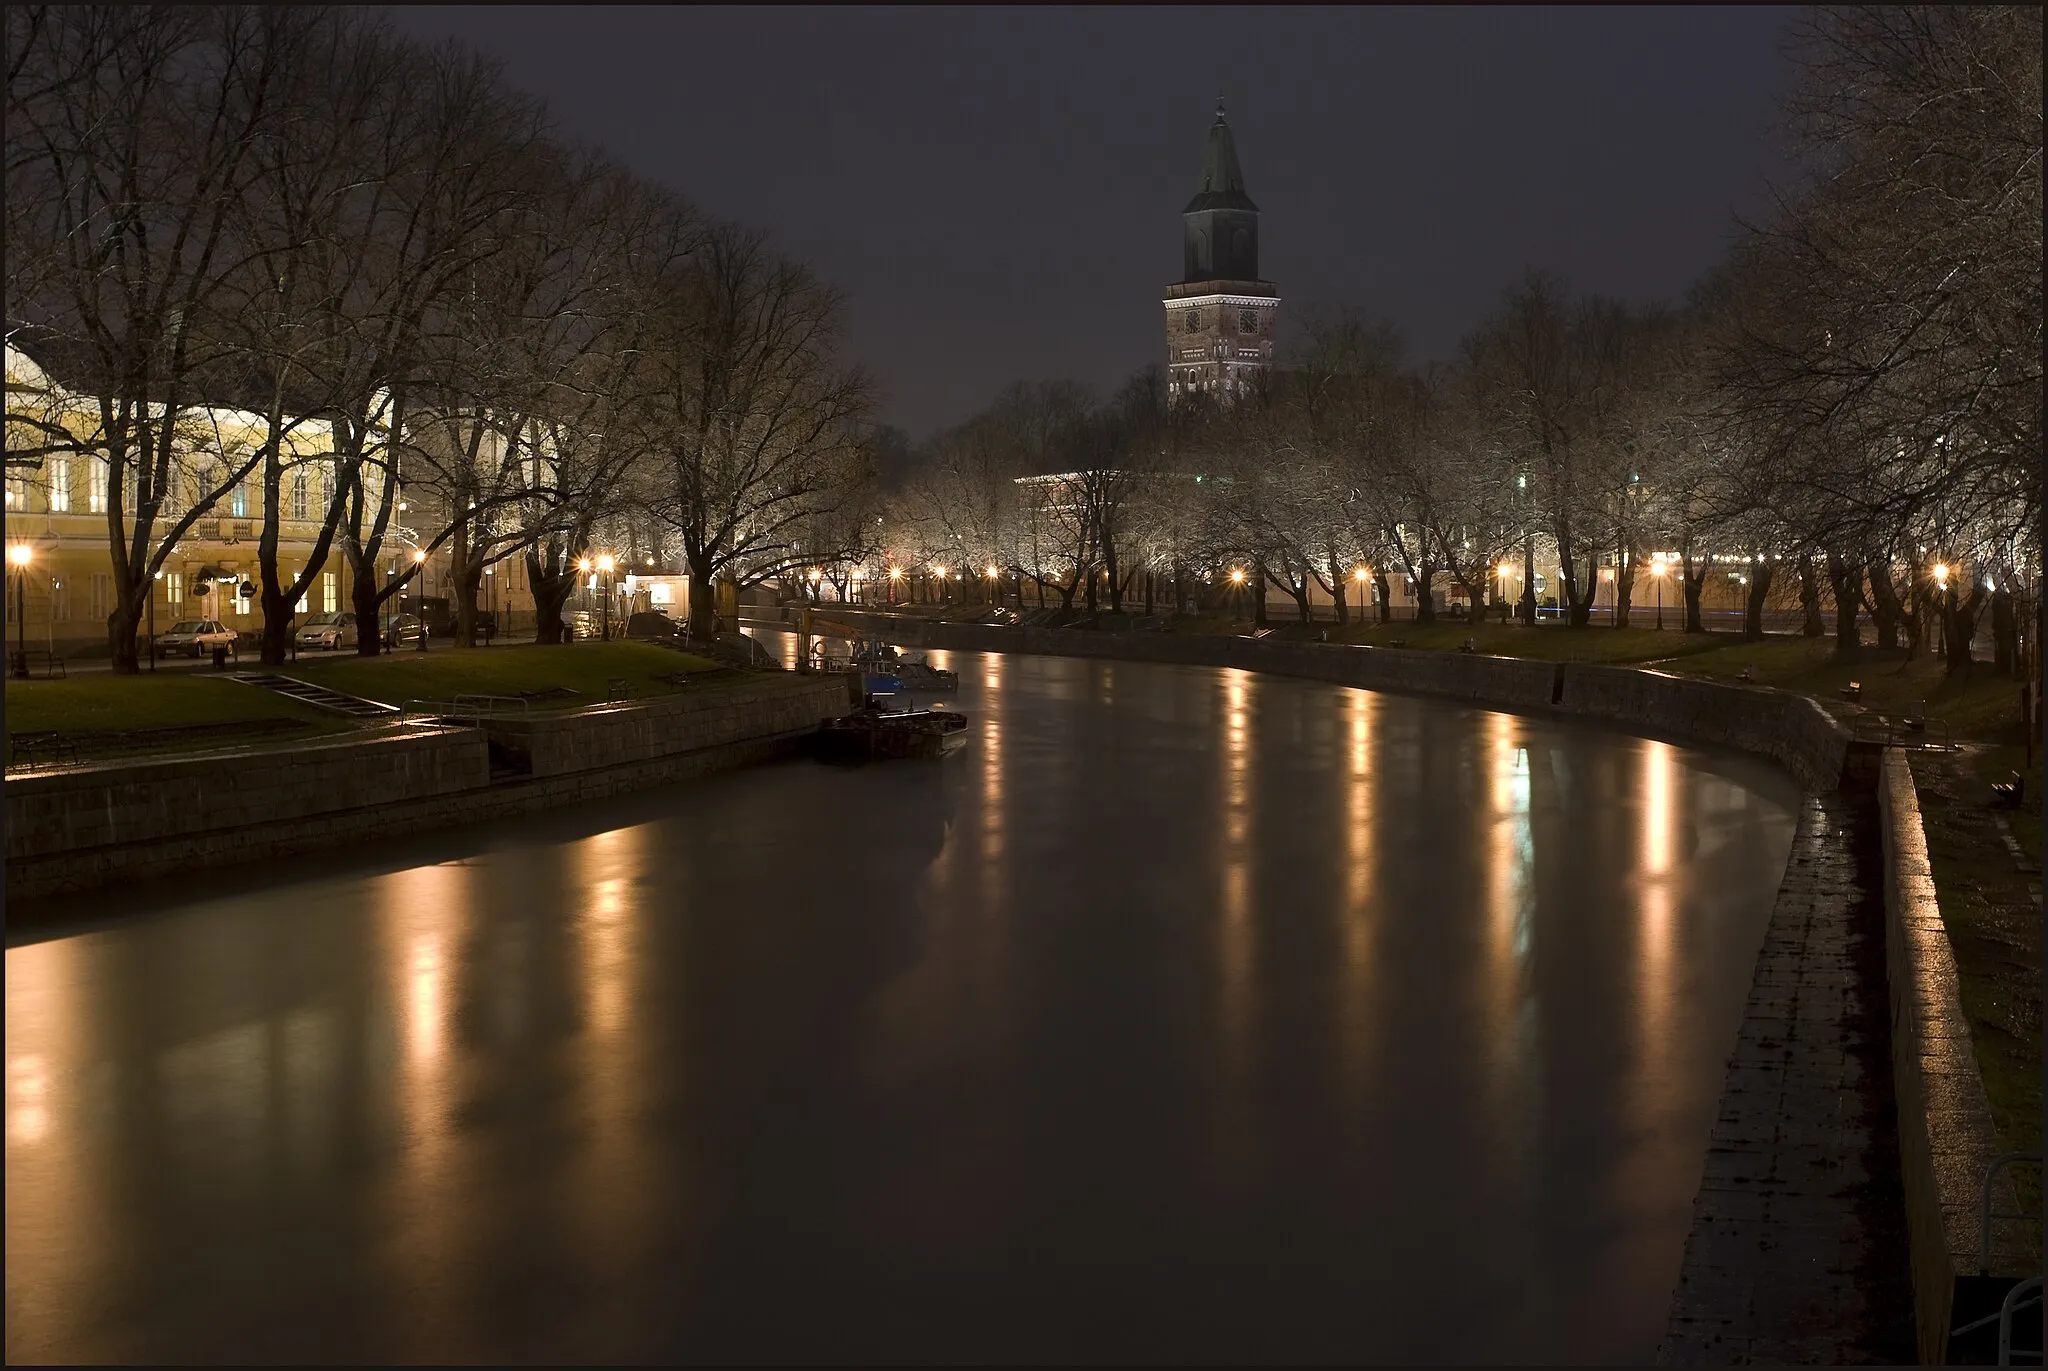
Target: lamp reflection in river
[1236,940]
[1656,931]
[1508,842]
[1355,992]
[424,914]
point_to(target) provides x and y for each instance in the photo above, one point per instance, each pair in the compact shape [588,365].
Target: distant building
[1219,315]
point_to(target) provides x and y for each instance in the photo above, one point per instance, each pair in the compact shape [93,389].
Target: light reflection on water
[1250,1018]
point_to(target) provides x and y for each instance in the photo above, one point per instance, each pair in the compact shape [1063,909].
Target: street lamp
[605,564]
[1657,572]
[18,557]
[1941,612]
[419,559]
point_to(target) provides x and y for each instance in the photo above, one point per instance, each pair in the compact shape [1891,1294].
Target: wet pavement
[1188,1015]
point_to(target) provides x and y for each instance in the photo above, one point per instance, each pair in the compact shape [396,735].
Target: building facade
[1220,315]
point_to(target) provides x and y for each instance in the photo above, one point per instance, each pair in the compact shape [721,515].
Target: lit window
[174,587]
[327,600]
[96,485]
[60,485]
[239,500]
[299,494]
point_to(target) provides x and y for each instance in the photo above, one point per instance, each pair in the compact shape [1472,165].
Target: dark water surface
[1188,1015]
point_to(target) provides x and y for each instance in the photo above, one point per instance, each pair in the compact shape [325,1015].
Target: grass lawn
[443,672]
[204,709]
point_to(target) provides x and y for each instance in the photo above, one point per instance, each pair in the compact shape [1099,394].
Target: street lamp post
[152,622]
[1657,574]
[18,557]
[1941,609]
[1362,575]
[606,564]
[419,594]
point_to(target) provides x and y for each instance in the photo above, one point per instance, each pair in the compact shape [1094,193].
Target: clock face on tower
[1247,321]
[1194,318]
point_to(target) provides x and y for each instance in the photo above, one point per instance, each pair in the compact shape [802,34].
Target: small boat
[873,733]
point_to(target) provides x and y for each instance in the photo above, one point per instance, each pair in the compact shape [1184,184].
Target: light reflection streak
[1659,840]
[1355,991]
[1237,941]
[610,1207]
[425,914]
[1508,845]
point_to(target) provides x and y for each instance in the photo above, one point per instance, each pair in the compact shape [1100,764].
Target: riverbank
[184,818]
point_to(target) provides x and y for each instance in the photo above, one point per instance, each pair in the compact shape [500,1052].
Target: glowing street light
[1657,569]
[605,564]
[1237,575]
[18,556]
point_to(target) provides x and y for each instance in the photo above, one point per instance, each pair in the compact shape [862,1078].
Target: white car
[329,631]
[195,637]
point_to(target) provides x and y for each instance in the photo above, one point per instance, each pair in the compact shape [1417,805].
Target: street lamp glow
[1504,571]
[583,564]
[940,572]
[993,573]
[419,558]
[817,575]
[895,573]
[1361,574]
[1237,575]
[1941,572]
[20,554]
[1657,568]
[605,564]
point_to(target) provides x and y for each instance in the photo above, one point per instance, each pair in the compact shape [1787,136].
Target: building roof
[1222,180]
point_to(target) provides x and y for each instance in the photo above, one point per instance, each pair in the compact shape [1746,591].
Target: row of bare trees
[454,330]
[1846,412]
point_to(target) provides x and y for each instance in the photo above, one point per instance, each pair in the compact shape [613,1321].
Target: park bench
[2009,794]
[53,748]
[40,660]
[617,689]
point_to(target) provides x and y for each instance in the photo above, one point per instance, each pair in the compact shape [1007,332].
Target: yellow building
[57,510]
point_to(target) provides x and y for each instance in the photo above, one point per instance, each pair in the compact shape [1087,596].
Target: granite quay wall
[1946,1139]
[1789,729]
[100,825]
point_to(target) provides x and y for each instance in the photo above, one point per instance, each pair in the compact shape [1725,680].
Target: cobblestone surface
[1798,1248]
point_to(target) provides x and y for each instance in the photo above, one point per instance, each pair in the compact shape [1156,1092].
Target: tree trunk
[551,591]
[122,623]
[2005,630]
[1884,605]
[1958,625]
[1809,597]
[1337,594]
[1149,578]
[1694,583]
[1425,603]
[363,597]
[1845,584]
[1625,591]
[1761,572]
[1383,597]
[1299,590]
[1529,580]
[703,597]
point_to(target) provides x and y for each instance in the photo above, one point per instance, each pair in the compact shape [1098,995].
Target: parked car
[652,626]
[328,631]
[195,638]
[402,630]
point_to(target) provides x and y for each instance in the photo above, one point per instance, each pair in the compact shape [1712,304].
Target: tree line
[447,329]
[1847,409]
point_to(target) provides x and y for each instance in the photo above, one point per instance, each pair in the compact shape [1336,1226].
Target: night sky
[998,190]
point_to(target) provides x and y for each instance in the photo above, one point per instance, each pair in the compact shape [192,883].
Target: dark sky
[998,190]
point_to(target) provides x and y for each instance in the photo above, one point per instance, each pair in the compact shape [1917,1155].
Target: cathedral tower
[1219,315]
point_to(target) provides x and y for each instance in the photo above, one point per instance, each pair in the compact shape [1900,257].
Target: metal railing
[471,706]
[1985,1213]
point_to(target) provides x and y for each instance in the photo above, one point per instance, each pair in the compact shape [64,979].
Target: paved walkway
[1798,1245]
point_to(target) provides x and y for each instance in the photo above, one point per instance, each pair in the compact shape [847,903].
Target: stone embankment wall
[1946,1140]
[179,818]
[1789,729]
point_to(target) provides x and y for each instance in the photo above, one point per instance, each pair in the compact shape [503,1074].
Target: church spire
[1222,178]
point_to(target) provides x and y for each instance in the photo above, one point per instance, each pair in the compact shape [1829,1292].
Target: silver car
[195,638]
[328,631]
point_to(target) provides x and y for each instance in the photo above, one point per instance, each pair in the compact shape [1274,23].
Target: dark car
[401,630]
[651,626]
